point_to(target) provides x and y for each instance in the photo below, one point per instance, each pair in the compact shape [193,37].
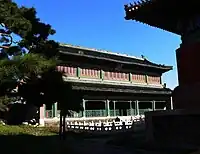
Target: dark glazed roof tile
[110,56]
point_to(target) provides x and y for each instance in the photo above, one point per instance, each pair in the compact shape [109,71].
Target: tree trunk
[62,129]
[61,125]
[64,124]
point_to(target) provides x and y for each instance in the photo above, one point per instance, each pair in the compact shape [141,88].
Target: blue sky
[100,24]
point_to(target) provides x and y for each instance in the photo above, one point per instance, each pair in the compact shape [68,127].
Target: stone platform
[173,128]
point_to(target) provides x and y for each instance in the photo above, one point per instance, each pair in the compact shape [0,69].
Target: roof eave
[169,68]
[121,89]
[139,16]
[99,51]
[164,68]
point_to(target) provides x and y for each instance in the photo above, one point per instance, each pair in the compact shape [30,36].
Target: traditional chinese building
[183,20]
[179,127]
[112,84]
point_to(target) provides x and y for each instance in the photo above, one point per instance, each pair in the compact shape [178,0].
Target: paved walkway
[101,146]
[97,146]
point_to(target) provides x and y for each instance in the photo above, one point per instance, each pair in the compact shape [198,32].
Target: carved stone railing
[100,124]
[105,126]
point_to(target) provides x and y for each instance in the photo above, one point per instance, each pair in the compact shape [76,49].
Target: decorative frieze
[107,75]
[138,78]
[68,71]
[90,73]
[154,79]
[116,76]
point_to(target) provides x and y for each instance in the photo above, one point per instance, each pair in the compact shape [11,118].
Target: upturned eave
[152,18]
[163,14]
[143,62]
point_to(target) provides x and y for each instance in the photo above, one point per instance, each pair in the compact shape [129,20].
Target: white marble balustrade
[105,126]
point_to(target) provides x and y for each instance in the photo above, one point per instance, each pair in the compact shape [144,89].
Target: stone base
[41,122]
[174,128]
[186,97]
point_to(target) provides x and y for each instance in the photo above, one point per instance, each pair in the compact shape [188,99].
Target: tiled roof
[117,57]
[164,14]
[101,51]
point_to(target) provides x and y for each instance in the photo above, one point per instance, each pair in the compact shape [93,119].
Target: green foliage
[26,59]
[29,63]
[33,64]
[4,100]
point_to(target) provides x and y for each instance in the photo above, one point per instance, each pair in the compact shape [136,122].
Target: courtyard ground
[29,140]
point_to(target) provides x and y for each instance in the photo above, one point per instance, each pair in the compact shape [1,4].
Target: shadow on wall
[19,113]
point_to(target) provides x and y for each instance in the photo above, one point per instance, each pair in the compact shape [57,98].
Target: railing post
[84,115]
[130,77]
[123,126]
[95,127]
[52,111]
[146,79]
[108,107]
[55,109]
[113,126]
[171,103]
[153,105]
[133,124]
[137,107]
[78,73]
[102,126]
[131,108]
[102,74]
[114,108]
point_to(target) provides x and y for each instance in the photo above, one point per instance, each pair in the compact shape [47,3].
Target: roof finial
[143,56]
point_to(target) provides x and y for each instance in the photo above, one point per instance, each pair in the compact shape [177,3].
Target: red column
[187,94]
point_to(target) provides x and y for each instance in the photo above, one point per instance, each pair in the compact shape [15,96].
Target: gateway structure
[112,84]
[183,19]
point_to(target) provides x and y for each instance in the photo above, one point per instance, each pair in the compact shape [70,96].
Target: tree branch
[4,47]
[7,35]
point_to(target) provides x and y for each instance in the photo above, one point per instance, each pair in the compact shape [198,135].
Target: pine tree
[28,63]
[28,57]
[27,66]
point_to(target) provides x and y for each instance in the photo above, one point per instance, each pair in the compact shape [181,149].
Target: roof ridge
[102,51]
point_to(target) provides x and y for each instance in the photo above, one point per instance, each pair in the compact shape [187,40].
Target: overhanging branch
[4,47]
